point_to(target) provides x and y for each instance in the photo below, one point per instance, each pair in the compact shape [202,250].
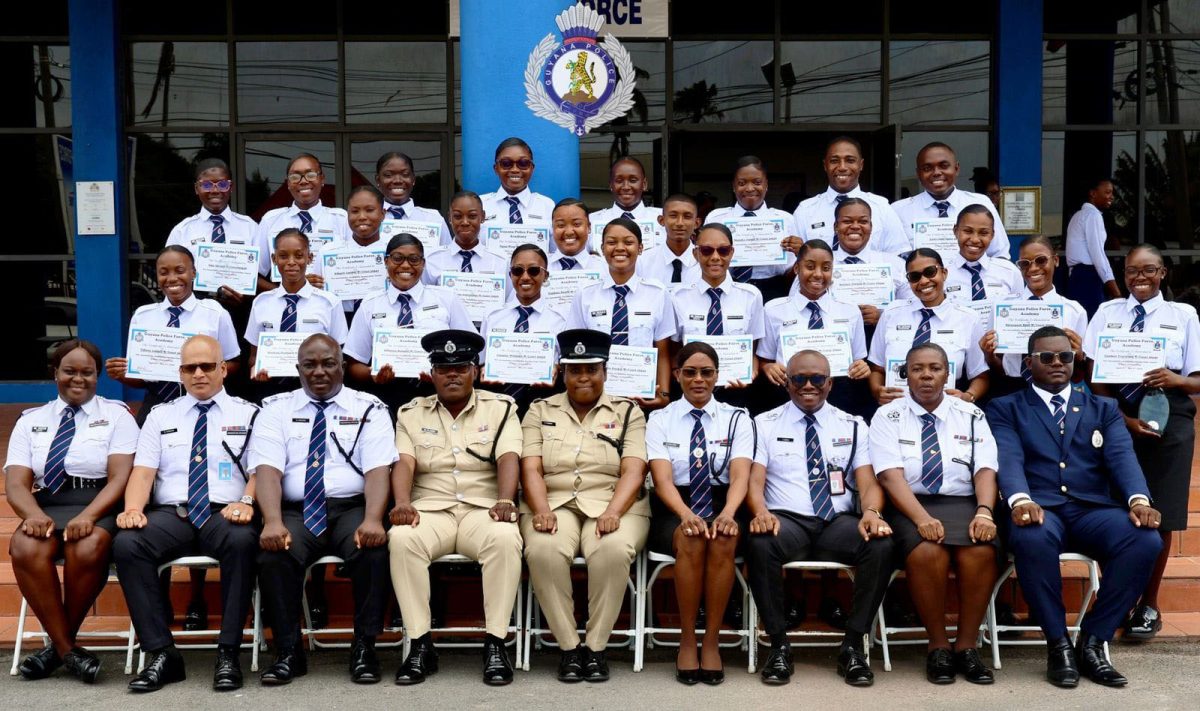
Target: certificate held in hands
[520,358]
[1127,357]
[860,284]
[504,239]
[936,233]
[231,265]
[1016,322]
[153,353]
[561,287]
[401,349]
[480,294]
[735,353]
[278,353]
[834,345]
[429,233]
[632,372]
[757,241]
[353,274]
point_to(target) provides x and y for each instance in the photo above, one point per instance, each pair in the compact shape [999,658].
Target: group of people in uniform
[926,451]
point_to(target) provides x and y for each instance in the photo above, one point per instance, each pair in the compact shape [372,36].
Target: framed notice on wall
[1021,209]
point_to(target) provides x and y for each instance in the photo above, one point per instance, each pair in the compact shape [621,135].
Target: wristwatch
[247,500]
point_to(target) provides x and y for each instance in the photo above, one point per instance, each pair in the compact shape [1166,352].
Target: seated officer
[321,457]
[1063,455]
[189,469]
[455,483]
[811,460]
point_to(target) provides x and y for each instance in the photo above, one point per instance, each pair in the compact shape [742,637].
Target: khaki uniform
[581,472]
[454,491]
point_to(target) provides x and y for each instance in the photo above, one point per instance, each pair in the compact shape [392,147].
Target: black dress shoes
[289,664]
[40,664]
[1093,662]
[570,665]
[778,667]
[832,614]
[165,667]
[687,677]
[497,670]
[1143,624]
[364,665]
[227,673]
[1061,667]
[319,615]
[852,666]
[595,665]
[939,667]
[422,662]
[968,663]
[83,664]
[712,677]
[196,617]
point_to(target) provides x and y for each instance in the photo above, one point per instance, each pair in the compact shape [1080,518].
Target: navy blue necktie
[676,270]
[287,323]
[314,473]
[699,470]
[628,216]
[514,211]
[55,472]
[1133,392]
[405,318]
[396,212]
[169,391]
[198,507]
[840,199]
[714,325]
[466,255]
[306,222]
[815,322]
[931,456]
[818,477]
[943,208]
[568,263]
[853,260]
[1060,412]
[742,274]
[173,314]
[218,231]
[522,326]
[620,318]
[922,334]
[978,293]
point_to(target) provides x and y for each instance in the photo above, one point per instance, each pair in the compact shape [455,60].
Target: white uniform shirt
[954,327]
[1085,241]
[585,261]
[1074,318]
[1171,320]
[414,213]
[199,317]
[790,229]
[651,317]
[814,219]
[239,229]
[102,427]
[504,320]
[282,431]
[330,228]
[641,214]
[669,436]
[896,443]
[165,445]
[317,311]
[1001,279]
[783,450]
[920,207]
[869,255]
[791,313]
[657,264]
[741,309]
[433,308]
[448,259]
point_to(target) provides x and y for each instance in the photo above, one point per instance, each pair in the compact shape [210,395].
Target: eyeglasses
[508,163]
[1039,261]
[926,273]
[221,186]
[534,272]
[707,251]
[399,259]
[1147,272]
[690,373]
[1048,357]
[818,381]
[189,368]
[311,176]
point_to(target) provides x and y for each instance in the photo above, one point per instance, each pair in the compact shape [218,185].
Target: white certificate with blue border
[632,372]
[758,241]
[278,353]
[429,233]
[1127,357]
[154,353]
[834,345]
[353,273]
[522,358]
[504,239]
[401,349]
[859,284]
[651,234]
[735,354]
[560,288]
[224,264]
[1015,322]
[480,294]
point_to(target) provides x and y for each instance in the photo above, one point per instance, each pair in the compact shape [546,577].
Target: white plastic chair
[314,642]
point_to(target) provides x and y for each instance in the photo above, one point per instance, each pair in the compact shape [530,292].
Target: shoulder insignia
[278,397]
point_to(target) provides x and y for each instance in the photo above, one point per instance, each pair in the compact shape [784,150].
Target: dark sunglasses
[189,368]
[690,373]
[221,186]
[1039,261]
[818,381]
[1048,357]
[928,272]
[534,272]
[508,163]
[707,250]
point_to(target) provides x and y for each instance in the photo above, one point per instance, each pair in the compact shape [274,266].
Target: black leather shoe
[1094,664]
[289,664]
[852,665]
[832,614]
[196,617]
[968,663]
[939,667]
[1143,624]
[364,665]
[83,664]
[497,670]
[40,664]
[163,668]
[712,677]
[422,662]
[570,665]
[319,614]
[595,665]
[227,674]
[778,667]
[687,677]
[1061,667]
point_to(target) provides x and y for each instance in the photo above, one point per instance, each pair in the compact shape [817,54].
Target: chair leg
[883,638]
[527,631]
[20,641]
[257,638]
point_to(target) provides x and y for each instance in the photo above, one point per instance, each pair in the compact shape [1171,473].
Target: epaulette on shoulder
[966,407]
[272,399]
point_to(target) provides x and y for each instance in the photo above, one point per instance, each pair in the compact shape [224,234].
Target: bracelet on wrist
[874,511]
[985,517]
[505,501]
[985,506]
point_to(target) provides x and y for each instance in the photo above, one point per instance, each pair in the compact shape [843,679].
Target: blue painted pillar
[497,38]
[99,147]
[1018,129]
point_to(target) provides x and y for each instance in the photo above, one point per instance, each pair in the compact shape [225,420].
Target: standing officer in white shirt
[325,226]
[514,203]
[395,178]
[673,262]
[975,276]
[464,253]
[627,183]
[1091,280]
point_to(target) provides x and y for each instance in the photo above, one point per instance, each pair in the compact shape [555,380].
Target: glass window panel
[44,206]
[36,85]
[46,20]
[428,17]
[1172,188]
[265,180]
[832,82]
[722,82]
[396,82]
[146,17]
[915,16]
[427,165]
[1173,81]
[457,85]
[1099,18]
[163,174]
[1074,91]
[291,82]
[939,82]
[650,87]
[1070,160]
[1174,16]
[597,152]
[970,147]
[708,17]
[313,17]
[810,18]
[194,91]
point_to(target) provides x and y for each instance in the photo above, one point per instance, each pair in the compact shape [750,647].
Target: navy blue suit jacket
[1032,452]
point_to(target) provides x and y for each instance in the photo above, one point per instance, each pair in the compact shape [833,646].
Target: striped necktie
[1060,412]
[287,323]
[568,263]
[522,326]
[628,216]
[466,255]
[818,477]
[306,222]
[943,208]
[714,325]
[55,473]
[853,260]
[397,213]
[699,469]
[815,322]
[514,211]
[742,274]
[978,293]
[198,507]
[1133,392]
[173,314]
[218,231]
[405,318]
[931,457]
[314,473]
[620,317]
[922,334]
[169,391]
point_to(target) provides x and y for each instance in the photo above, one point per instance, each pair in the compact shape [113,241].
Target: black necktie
[676,270]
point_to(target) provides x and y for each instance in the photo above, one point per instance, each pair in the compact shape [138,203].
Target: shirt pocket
[641,328]
[553,443]
[1174,339]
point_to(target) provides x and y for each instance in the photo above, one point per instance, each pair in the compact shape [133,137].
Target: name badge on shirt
[697,317]
[597,314]
[548,423]
[431,430]
[954,287]
[908,441]
[431,307]
[311,320]
[299,419]
[641,313]
[670,444]
[904,327]
[1114,325]
[1169,327]
[784,439]
[39,429]
[98,423]
[734,317]
[225,471]
[173,430]
[378,315]
[816,225]
[267,326]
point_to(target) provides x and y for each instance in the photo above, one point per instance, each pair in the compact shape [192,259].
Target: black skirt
[955,513]
[1167,461]
[69,503]
[663,520]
